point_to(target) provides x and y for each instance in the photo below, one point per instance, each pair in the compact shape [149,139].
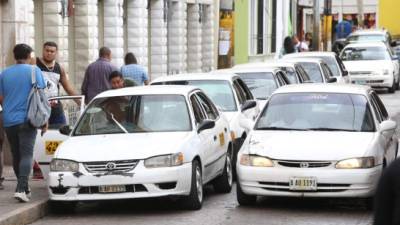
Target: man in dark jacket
[97,75]
[387,197]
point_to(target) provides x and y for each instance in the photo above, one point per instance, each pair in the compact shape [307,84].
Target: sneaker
[28,193]
[21,196]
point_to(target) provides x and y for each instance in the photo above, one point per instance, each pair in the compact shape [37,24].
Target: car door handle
[215,137]
[226,130]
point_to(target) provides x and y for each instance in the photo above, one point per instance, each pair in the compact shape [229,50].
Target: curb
[27,214]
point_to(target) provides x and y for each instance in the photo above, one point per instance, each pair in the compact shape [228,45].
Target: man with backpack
[15,87]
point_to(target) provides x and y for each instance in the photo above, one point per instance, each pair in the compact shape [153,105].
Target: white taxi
[144,142]
[229,93]
[317,140]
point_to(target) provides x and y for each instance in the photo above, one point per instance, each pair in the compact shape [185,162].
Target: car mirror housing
[248,105]
[332,80]
[66,130]
[388,125]
[345,73]
[205,125]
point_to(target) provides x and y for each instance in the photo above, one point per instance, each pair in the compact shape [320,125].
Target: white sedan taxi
[144,142]
[317,140]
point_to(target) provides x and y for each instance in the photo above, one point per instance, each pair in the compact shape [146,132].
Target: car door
[388,143]
[220,136]
[46,145]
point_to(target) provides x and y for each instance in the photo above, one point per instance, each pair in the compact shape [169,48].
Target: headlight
[254,160]
[356,163]
[385,72]
[63,165]
[164,161]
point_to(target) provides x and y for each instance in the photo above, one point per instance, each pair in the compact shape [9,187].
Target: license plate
[51,147]
[112,189]
[303,184]
[361,82]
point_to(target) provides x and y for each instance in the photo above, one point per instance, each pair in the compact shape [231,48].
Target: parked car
[294,71]
[144,142]
[372,64]
[371,35]
[317,69]
[333,61]
[229,93]
[317,140]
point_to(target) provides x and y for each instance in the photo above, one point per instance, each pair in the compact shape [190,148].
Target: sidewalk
[13,212]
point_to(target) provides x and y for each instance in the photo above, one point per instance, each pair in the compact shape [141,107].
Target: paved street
[223,209]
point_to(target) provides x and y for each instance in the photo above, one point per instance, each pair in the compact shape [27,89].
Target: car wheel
[61,207]
[369,203]
[398,84]
[223,183]
[243,198]
[194,200]
[236,147]
[393,88]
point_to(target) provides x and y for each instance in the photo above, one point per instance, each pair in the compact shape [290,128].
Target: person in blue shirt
[134,71]
[343,29]
[15,86]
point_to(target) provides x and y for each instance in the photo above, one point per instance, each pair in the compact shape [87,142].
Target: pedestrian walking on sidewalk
[387,196]
[15,86]
[97,75]
[54,75]
[132,70]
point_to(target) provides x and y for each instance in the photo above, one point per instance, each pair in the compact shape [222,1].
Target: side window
[198,112]
[245,89]
[303,74]
[376,109]
[208,106]
[340,62]
[239,92]
[285,80]
[381,106]
[327,71]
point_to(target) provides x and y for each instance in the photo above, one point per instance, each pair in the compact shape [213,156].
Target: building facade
[167,36]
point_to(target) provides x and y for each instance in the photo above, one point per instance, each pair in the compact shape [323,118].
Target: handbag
[38,105]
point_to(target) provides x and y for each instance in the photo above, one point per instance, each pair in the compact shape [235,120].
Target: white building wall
[137,30]
[113,30]
[194,53]
[208,38]
[86,37]
[158,34]
[177,40]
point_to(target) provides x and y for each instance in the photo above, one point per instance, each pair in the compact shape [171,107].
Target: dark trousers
[22,140]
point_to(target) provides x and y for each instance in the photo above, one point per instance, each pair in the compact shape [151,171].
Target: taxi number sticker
[221,139]
[51,147]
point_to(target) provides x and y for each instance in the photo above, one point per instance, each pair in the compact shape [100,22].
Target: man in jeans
[15,85]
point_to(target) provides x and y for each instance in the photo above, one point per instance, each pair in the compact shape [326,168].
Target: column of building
[207,37]
[158,39]
[113,30]
[177,41]
[137,30]
[194,36]
[86,36]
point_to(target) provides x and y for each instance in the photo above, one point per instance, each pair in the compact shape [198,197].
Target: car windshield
[367,38]
[133,114]
[365,53]
[261,84]
[219,91]
[317,111]
[313,71]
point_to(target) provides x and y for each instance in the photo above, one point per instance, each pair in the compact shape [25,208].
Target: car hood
[367,65]
[121,146]
[309,145]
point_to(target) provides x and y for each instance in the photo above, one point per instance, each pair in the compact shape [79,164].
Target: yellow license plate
[112,189]
[303,184]
[51,147]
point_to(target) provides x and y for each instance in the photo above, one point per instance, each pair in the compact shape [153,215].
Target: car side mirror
[248,105]
[345,73]
[205,125]
[387,125]
[332,80]
[66,130]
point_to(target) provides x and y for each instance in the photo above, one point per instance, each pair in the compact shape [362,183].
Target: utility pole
[327,25]
[360,17]
[316,26]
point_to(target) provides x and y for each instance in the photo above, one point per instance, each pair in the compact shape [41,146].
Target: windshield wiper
[278,128]
[330,129]
[117,123]
[262,98]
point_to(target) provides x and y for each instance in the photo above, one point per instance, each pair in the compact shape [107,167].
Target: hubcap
[199,184]
[229,170]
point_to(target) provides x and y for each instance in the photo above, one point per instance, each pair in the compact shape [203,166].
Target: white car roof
[369,32]
[150,90]
[311,60]
[225,75]
[309,54]
[324,88]
[366,44]
[254,67]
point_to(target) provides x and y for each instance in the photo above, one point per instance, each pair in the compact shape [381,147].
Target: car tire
[194,200]
[369,203]
[223,183]
[236,147]
[243,198]
[393,88]
[62,207]
[398,84]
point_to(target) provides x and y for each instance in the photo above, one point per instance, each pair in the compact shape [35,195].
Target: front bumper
[141,182]
[331,182]
[378,81]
